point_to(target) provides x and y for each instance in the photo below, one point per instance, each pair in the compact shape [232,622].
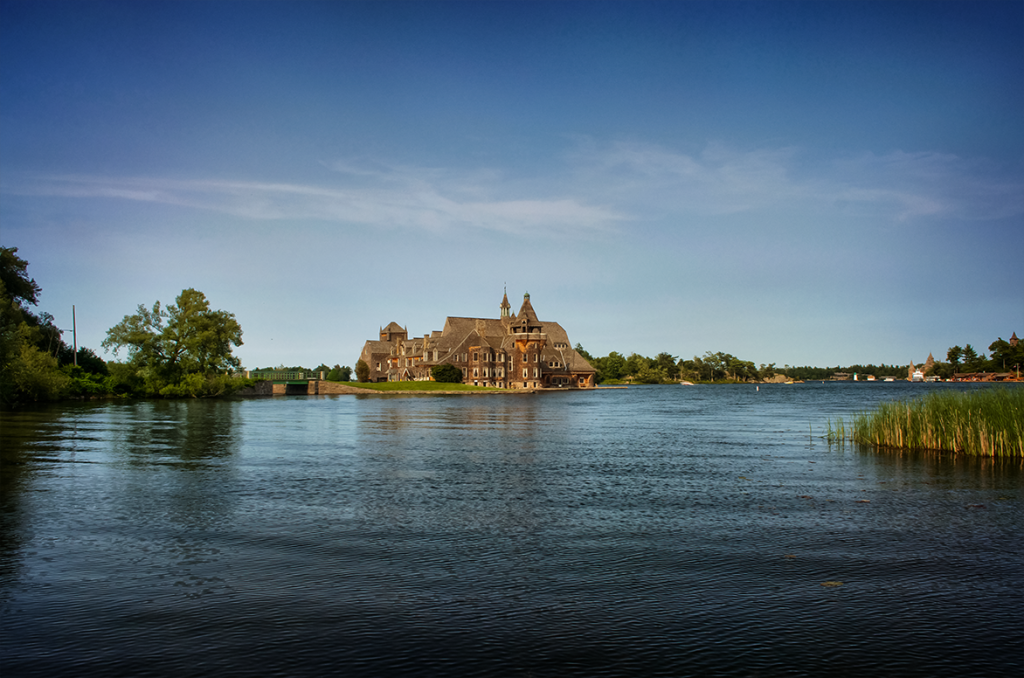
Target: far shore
[322,387]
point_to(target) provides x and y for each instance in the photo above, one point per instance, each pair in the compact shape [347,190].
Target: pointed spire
[505,306]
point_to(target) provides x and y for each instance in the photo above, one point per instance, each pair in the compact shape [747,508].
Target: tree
[612,366]
[954,355]
[187,338]
[339,373]
[14,275]
[667,363]
[28,344]
[362,371]
[633,364]
[1005,356]
[446,373]
[972,361]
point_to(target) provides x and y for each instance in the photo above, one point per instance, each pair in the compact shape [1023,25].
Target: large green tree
[168,345]
[1006,357]
[972,361]
[953,355]
[28,343]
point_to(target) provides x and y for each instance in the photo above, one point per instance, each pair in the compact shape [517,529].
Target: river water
[663,530]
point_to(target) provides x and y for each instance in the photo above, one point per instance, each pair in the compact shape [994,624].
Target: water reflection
[186,433]
[649,531]
[444,464]
[131,472]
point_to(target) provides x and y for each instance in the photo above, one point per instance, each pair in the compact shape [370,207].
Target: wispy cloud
[594,189]
[382,198]
[718,180]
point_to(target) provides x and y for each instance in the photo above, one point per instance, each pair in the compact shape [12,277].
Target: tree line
[180,350]
[666,368]
[185,349]
[719,367]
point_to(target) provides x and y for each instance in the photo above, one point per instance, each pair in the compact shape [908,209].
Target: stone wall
[260,388]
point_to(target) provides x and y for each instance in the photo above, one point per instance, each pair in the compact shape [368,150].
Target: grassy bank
[988,422]
[426,386]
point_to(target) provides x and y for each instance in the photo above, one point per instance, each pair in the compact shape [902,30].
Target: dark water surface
[651,531]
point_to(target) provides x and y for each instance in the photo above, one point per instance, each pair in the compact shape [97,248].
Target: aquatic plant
[987,422]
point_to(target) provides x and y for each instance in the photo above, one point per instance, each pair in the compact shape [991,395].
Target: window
[476,372]
[476,356]
[526,374]
[535,373]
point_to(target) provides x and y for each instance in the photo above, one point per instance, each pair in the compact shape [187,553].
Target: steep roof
[526,311]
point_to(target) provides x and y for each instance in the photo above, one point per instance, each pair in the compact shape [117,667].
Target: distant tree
[612,366]
[954,355]
[633,364]
[339,373]
[321,368]
[362,370]
[1004,356]
[667,363]
[647,374]
[446,373]
[187,338]
[586,356]
[972,361]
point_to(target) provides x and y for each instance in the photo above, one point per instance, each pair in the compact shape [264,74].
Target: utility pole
[74,333]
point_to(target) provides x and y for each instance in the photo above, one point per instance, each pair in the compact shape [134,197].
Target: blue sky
[822,183]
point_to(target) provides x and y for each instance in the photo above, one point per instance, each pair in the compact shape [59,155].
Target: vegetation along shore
[185,350]
[987,422]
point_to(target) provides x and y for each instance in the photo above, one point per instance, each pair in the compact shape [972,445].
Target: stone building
[515,350]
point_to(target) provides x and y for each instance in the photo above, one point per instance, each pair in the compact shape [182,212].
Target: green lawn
[404,386]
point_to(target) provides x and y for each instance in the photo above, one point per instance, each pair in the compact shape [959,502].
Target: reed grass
[988,422]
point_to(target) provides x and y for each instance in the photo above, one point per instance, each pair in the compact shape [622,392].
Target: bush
[446,374]
[362,371]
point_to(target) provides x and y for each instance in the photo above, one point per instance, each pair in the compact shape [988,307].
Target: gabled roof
[394,327]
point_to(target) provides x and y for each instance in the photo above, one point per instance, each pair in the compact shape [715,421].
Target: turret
[506,308]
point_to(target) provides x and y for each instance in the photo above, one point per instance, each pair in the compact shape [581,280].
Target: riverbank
[321,387]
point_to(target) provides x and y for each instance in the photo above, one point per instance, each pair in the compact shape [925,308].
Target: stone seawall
[333,388]
[322,387]
[260,388]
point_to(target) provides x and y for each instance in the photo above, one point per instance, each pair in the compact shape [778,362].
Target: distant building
[515,350]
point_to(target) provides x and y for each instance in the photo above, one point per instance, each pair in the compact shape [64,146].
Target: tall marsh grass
[988,422]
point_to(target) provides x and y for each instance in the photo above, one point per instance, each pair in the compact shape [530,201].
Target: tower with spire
[513,351]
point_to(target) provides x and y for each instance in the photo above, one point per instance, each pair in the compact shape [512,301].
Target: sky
[801,183]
